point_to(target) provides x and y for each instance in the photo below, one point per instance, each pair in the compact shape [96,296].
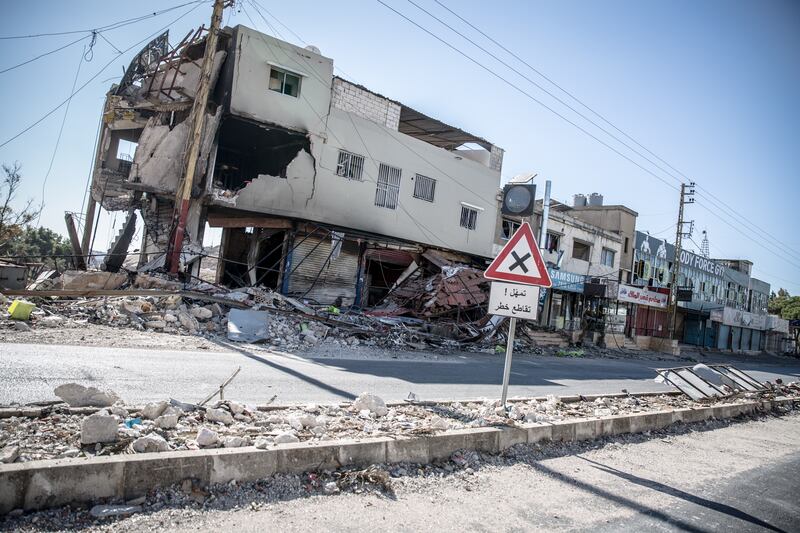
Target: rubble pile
[164,426]
[454,290]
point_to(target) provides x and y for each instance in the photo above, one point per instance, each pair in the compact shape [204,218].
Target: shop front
[739,331]
[564,301]
[647,311]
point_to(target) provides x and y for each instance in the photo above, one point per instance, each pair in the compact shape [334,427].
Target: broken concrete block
[153,410]
[151,443]
[21,326]
[79,396]
[219,415]
[201,313]
[99,427]
[262,443]
[370,402]
[188,321]
[156,324]
[206,437]
[170,318]
[9,454]
[167,421]
[235,442]
[286,438]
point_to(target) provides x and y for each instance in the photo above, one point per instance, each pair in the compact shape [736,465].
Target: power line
[76,41]
[58,138]
[112,26]
[56,108]
[528,95]
[718,202]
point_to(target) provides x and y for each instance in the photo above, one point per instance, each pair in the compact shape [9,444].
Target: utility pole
[687,197]
[197,122]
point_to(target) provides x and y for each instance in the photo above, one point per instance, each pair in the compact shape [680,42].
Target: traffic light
[518,199]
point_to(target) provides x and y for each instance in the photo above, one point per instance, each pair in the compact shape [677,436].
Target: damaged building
[322,188]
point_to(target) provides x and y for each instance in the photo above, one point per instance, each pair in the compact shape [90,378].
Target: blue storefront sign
[567,281]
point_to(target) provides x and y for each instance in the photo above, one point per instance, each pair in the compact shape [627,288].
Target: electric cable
[76,41]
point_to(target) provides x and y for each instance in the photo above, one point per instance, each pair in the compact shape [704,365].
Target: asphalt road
[30,372]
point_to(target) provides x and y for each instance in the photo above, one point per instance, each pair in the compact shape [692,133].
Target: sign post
[519,272]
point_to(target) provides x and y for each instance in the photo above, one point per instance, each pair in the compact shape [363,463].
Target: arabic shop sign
[567,281]
[641,296]
[514,300]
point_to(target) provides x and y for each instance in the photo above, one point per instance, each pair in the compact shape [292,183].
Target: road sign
[514,300]
[520,261]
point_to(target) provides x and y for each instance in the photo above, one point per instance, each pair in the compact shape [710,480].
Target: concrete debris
[202,313]
[58,435]
[21,326]
[371,403]
[9,454]
[153,410]
[151,443]
[99,427]
[167,421]
[286,438]
[207,438]
[77,395]
[219,415]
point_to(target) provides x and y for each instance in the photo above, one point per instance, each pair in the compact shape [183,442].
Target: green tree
[41,245]
[13,220]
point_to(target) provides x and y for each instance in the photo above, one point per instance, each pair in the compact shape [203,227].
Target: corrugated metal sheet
[318,277]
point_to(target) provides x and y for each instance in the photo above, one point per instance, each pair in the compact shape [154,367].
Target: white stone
[330,487]
[206,437]
[103,511]
[153,410]
[286,438]
[236,408]
[99,427]
[201,313]
[9,454]
[188,321]
[440,424]
[79,396]
[235,442]
[169,317]
[156,324]
[119,411]
[150,444]
[262,443]
[21,326]
[219,415]
[167,421]
[370,402]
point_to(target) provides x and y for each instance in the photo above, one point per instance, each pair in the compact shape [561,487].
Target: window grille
[350,166]
[388,190]
[424,187]
[469,217]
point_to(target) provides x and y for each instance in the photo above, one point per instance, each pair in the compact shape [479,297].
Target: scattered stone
[219,415]
[201,313]
[156,324]
[188,321]
[167,421]
[262,443]
[440,424]
[21,326]
[150,444]
[330,488]
[99,427]
[372,403]
[153,410]
[77,395]
[206,437]
[286,438]
[235,442]
[9,454]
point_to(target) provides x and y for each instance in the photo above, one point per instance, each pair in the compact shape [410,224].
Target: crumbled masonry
[58,433]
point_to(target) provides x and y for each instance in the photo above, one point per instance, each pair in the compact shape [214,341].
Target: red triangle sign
[520,261]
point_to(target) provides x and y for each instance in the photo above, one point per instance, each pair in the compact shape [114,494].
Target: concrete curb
[52,483]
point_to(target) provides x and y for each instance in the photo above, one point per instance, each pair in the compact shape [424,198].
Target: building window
[553,242]
[350,166]
[581,250]
[388,190]
[284,82]
[509,228]
[626,245]
[424,187]
[607,257]
[469,217]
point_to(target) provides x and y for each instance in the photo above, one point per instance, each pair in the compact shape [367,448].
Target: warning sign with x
[520,261]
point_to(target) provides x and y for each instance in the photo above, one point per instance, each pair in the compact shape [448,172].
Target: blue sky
[708,86]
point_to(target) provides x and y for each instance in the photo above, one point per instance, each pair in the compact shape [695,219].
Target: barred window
[388,190]
[424,187]
[350,166]
[469,217]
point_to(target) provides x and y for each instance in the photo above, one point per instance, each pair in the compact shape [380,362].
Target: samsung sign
[701,263]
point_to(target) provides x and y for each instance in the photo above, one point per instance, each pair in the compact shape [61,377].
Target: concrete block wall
[354,99]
